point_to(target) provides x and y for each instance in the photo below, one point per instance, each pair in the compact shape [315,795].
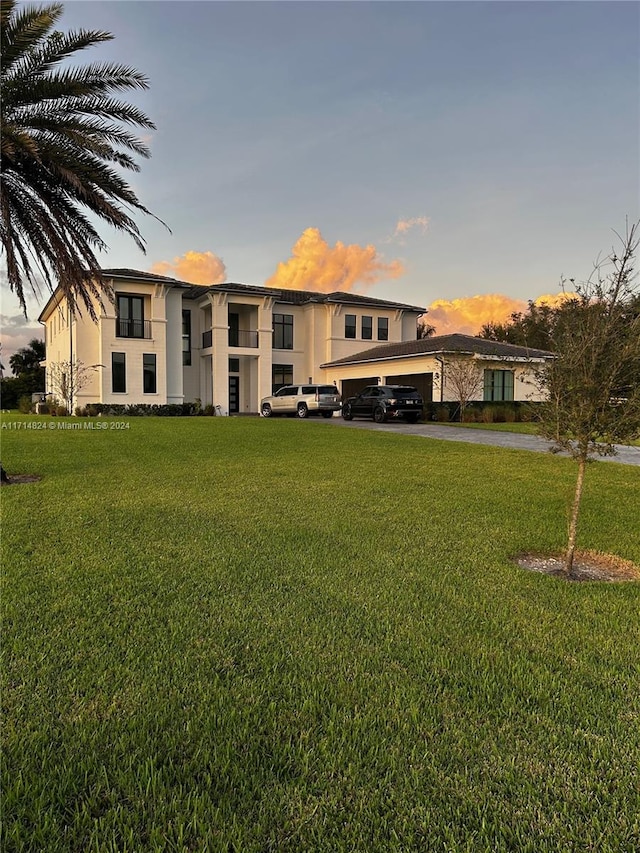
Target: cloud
[553,300]
[469,314]
[194,267]
[16,333]
[315,265]
[404,225]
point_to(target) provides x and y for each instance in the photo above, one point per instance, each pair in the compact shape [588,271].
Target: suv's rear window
[327,389]
[405,393]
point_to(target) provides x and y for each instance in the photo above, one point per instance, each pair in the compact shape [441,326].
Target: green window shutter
[488,386]
[508,385]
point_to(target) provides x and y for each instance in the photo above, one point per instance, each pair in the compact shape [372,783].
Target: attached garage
[422,381]
[506,371]
[351,387]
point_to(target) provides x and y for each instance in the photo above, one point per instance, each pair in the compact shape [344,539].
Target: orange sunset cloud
[469,314]
[194,267]
[315,265]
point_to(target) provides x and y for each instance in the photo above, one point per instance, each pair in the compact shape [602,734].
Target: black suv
[385,402]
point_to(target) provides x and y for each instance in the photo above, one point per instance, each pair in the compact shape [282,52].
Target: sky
[460,156]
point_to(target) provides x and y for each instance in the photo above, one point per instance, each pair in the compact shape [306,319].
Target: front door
[234,395]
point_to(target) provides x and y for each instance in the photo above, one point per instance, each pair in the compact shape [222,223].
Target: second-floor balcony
[133,328]
[237,338]
[243,338]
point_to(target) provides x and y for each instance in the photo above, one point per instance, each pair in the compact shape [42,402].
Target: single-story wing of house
[441,367]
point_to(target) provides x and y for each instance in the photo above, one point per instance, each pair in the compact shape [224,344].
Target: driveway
[514,440]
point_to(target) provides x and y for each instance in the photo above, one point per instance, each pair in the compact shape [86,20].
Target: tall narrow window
[367,328]
[383,328]
[498,386]
[118,373]
[283,331]
[130,322]
[149,373]
[349,325]
[186,337]
[282,374]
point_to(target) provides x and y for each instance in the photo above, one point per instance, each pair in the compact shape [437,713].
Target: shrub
[25,405]
[443,413]
[487,415]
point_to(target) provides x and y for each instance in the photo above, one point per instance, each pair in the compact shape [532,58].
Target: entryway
[234,395]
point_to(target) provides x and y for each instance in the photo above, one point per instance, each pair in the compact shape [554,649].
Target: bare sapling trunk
[575,509]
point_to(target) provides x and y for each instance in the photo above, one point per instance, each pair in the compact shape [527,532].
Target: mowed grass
[255,635]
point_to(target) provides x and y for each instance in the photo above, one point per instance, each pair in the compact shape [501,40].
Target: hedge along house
[164,341]
[504,372]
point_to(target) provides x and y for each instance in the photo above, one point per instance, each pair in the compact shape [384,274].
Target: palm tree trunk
[573,524]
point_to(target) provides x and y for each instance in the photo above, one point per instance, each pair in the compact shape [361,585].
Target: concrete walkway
[514,440]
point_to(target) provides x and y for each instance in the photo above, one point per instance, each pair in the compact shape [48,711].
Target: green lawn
[247,635]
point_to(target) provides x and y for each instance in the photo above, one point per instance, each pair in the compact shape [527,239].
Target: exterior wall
[72,341]
[155,311]
[402,327]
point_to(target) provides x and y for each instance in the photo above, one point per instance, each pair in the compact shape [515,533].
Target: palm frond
[64,140]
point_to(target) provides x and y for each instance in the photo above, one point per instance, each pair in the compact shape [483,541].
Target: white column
[173,346]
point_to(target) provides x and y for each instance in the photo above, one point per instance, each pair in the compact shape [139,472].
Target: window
[130,322]
[383,328]
[186,337]
[281,374]
[283,331]
[498,385]
[149,373]
[349,325]
[234,365]
[367,328]
[118,373]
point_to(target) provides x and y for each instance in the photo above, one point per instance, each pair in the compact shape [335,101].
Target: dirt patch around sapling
[587,566]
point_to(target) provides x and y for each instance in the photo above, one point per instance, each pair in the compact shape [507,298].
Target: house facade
[437,366]
[228,345]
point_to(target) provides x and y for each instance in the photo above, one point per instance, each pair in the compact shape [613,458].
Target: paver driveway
[517,441]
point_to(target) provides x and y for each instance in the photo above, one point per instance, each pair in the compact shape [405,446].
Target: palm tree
[63,133]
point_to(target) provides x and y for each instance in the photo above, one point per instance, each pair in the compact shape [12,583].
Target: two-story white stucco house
[166,341]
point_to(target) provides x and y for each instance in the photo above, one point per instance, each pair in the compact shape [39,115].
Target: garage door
[422,381]
[351,387]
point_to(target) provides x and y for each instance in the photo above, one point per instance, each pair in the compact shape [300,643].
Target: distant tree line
[539,327]
[28,376]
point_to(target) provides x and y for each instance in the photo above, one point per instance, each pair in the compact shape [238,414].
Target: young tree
[68,378]
[590,404]
[465,377]
[63,136]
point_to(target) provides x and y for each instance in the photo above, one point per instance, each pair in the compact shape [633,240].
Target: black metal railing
[243,338]
[207,339]
[133,328]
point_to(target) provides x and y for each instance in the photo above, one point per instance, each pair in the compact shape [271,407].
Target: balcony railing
[243,338]
[133,328]
[237,338]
